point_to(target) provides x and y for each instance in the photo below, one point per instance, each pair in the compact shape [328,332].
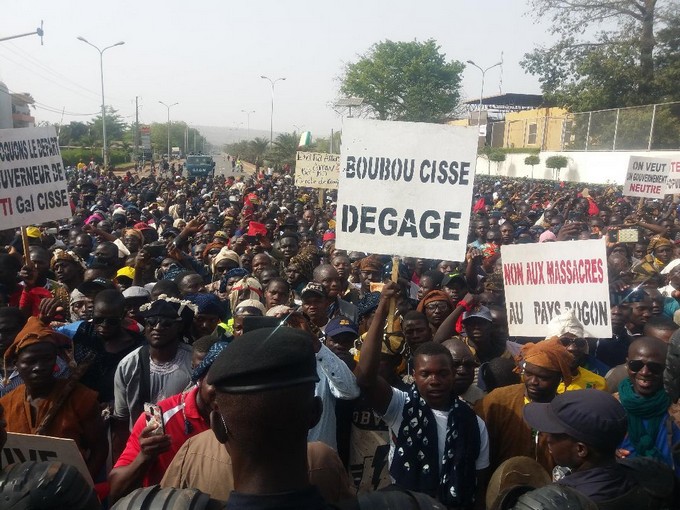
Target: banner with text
[546,279]
[26,447]
[32,177]
[673,181]
[406,188]
[646,177]
[317,170]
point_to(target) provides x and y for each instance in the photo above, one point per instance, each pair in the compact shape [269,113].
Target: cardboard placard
[673,181]
[25,447]
[546,279]
[646,177]
[317,170]
[32,177]
[406,188]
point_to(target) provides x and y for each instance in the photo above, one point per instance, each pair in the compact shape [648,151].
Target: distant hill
[219,136]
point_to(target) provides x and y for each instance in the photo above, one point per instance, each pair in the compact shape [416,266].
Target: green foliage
[72,157]
[556,162]
[283,150]
[324,145]
[532,160]
[409,81]
[635,60]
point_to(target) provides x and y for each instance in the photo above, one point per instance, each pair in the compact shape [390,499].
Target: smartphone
[376,286]
[154,416]
[629,235]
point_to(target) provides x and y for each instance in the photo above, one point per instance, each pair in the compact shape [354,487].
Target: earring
[226,430]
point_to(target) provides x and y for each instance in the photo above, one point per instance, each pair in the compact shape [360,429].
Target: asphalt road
[223,167]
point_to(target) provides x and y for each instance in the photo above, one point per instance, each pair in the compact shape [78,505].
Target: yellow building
[540,128]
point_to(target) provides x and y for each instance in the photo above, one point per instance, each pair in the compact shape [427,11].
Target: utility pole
[136,128]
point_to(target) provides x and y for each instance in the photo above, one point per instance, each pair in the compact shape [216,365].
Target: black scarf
[415,465]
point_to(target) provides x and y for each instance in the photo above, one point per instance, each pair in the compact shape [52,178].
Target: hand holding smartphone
[154,418]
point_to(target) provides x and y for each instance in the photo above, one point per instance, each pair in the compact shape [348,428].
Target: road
[223,167]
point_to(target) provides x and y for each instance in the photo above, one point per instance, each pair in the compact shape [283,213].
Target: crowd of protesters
[294,374]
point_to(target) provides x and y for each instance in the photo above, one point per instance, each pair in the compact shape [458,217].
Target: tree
[557,163]
[497,156]
[532,161]
[284,148]
[632,61]
[409,81]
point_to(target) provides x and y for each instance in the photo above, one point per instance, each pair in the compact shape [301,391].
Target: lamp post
[271,118]
[105,151]
[168,106]
[248,112]
[481,93]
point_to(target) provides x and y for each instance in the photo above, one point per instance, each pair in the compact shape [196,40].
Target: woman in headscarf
[68,267]
[225,261]
[437,306]
[659,254]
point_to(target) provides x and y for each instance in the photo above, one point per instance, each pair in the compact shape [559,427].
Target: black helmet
[45,486]
[155,498]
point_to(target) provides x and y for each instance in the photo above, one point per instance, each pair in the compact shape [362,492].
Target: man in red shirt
[147,455]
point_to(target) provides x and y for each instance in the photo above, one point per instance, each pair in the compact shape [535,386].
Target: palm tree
[258,147]
[284,148]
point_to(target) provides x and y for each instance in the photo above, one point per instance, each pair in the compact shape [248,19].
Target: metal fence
[649,127]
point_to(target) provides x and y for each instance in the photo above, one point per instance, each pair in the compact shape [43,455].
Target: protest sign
[673,181]
[32,177]
[26,447]
[547,279]
[317,170]
[646,177]
[405,188]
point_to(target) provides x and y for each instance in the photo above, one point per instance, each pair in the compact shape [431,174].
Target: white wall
[595,167]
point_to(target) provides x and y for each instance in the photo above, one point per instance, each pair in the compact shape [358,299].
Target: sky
[208,55]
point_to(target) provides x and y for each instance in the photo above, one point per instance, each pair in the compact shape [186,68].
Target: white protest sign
[317,170]
[546,279]
[32,177]
[406,188]
[25,447]
[646,177]
[673,181]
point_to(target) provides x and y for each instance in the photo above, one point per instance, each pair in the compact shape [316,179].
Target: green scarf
[653,409]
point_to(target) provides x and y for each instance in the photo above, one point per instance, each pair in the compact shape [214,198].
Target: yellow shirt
[584,380]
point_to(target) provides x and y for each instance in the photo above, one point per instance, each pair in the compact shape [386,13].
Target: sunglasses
[109,321]
[163,322]
[578,342]
[635,365]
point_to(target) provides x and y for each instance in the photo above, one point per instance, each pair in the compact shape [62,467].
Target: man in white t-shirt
[438,445]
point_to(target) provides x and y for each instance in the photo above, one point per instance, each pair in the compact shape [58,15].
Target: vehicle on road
[199,165]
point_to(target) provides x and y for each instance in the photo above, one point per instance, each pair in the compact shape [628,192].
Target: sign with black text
[32,177]
[546,279]
[26,447]
[673,181]
[646,177]
[317,170]
[405,188]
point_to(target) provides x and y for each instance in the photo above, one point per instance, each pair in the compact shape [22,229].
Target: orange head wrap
[551,355]
[35,332]
[431,297]
[370,263]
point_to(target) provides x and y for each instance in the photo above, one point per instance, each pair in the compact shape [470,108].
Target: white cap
[565,323]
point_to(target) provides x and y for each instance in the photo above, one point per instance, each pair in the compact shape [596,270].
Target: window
[531,138]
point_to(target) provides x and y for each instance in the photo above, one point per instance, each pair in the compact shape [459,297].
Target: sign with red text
[673,181]
[317,170]
[26,447]
[646,177]
[405,188]
[546,279]
[32,178]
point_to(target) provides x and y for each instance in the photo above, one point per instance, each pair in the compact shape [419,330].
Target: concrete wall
[595,167]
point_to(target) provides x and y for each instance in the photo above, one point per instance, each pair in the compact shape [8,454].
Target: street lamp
[248,112]
[271,118]
[481,93]
[168,106]
[105,151]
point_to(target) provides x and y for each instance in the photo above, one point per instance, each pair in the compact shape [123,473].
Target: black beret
[265,359]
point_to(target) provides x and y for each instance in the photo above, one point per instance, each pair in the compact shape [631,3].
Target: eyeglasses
[578,342]
[464,363]
[635,365]
[433,307]
[109,321]
[163,322]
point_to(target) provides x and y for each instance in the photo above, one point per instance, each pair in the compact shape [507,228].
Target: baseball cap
[453,277]
[313,288]
[480,311]
[592,416]
[340,325]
